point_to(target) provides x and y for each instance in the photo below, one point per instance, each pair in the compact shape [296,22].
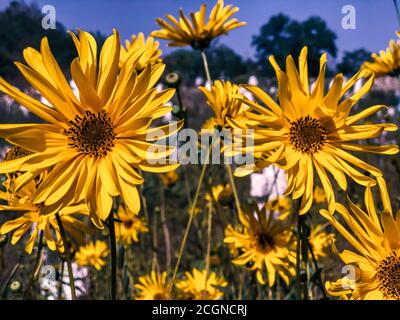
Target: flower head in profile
[169,179]
[34,219]
[96,143]
[221,193]
[264,244]
[127,231]
[387,63]
[151,54]
[223,100]
[152,287]
[198,285]
[195,30]
[375,257]
[92,254]
[312,132]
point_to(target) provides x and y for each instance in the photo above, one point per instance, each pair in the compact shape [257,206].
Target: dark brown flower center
[307,135]
[265,242]
[388,274]
[128,224]
[16,152]
[92,134]
[160,296]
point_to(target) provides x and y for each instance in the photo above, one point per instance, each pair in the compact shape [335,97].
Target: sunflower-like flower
[128,230]
[319,195]
[38,218]
[152,287]
[376,259]
[320,240]
[221,194]
[169,179]
[198,285]
[310,131]
[386,63]
[92,254]
[94,143]
[151,54]
[223,100]
[198,33]
[264,243]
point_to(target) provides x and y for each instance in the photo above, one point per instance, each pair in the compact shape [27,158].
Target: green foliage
[281,36]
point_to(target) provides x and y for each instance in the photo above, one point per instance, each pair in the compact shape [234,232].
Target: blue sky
[375,20]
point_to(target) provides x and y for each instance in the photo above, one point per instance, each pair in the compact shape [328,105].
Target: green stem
[206,68]
[68,257]
[113,246]
[185,236]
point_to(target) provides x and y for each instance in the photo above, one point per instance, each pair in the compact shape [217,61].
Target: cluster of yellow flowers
[92,148]
[196,285]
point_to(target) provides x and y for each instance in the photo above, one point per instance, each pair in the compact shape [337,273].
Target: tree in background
[227,64]
[352,61]
[20,27]
[281,36]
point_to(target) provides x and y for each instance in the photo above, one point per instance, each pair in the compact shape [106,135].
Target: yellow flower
[310,132]
[38,218]
[221,194]
[319,195]
[201,286]
[150,48]
[374,264]
[264,243]
[223,101]
[95,144]
[386,63]
[152,287]
[320,240]
[198,33]
[281,205]
[169,179]
[92,254]
[128,230]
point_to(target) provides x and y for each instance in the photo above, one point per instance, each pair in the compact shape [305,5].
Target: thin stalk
[208,252]
[298,252]
[185,236]
[206,68]
[235,193]
[60,288]
[154,259]
[113,246]
[68,257]
[320,284]
[8,281]
[167,236]
[38,263]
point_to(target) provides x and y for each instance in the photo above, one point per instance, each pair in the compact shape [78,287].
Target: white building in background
[271,181]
